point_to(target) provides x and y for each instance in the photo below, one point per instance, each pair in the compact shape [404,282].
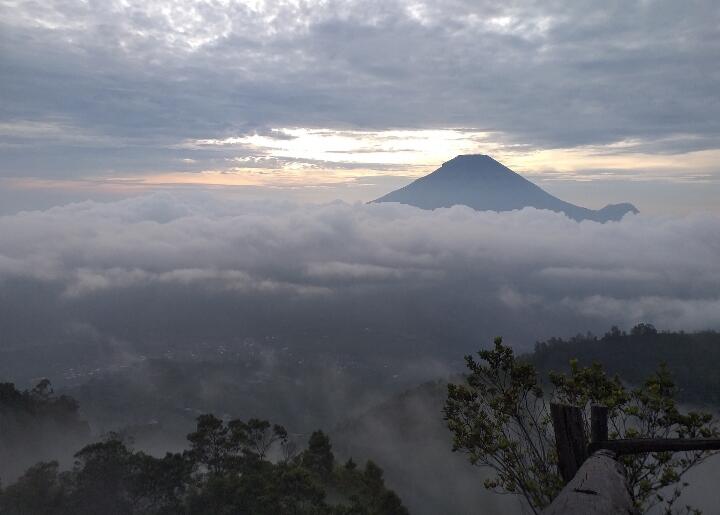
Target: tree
[43,390]
[319,457]
[691,358]
[38,491]
[500,418]
[36,424]
[219,447]
[643,330]
[226,471]
[380,500]
[257,436]
[209,443]
[103,479]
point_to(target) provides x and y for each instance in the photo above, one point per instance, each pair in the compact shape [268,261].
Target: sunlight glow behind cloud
[305,156]
[398,147]
[320,93]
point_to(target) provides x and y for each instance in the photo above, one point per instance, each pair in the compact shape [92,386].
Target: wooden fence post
[597,485]
[598,423]
[570,439]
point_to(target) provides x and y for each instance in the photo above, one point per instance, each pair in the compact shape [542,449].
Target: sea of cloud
[528,273]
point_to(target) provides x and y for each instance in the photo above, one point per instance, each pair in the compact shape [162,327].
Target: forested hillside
[406,433]
[692,358]
[228,467]
[35,424]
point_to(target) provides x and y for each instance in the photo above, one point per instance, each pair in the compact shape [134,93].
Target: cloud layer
[115,86]
[161,268]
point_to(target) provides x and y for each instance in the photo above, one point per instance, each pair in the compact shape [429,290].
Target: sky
[318,100]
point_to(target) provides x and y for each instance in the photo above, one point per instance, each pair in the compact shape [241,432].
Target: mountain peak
[477,161]
[470,157]
[473,168]
[481,182]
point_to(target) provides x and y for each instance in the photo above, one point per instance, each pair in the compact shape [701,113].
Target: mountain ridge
[484,184]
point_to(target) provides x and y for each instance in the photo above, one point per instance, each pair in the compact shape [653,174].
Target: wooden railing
[595,480]
[598,488]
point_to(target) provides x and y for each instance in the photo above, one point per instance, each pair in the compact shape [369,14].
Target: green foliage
[691,357]
[500,418]
[226,470]
[218,446]
[318,458]
[366,491]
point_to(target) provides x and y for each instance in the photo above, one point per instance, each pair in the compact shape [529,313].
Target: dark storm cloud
[123,82]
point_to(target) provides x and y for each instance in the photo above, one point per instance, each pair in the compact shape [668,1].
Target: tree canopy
[499,416]
[234,467]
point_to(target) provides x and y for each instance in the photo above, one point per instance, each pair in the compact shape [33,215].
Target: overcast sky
[598,102]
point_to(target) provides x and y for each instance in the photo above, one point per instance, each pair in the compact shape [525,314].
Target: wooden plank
[641,445]
[570,439]
[598,423]
[599,488]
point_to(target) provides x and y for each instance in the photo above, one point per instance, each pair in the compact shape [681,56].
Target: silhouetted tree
[318,457]
[225,471]
[643,330]
[37,492]
[499,417]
